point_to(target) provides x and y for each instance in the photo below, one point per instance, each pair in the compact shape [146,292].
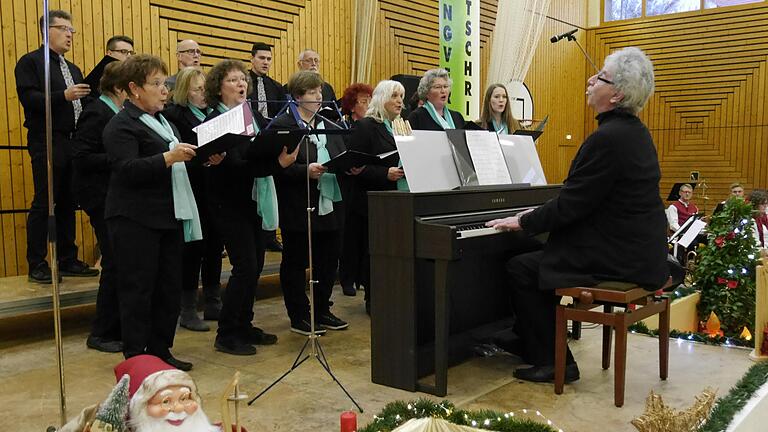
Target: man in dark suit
[309,60]
[608,222]
[68,95]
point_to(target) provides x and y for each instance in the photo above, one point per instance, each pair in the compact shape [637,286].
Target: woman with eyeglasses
[241,195]
[434,89]
[150,210]
[202,259]
[497,114]
[90,179]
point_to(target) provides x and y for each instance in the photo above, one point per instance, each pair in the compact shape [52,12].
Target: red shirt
[684,212]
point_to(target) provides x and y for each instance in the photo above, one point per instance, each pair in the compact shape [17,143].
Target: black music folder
[221,145]
[674,193]
[94,77]
[470,125]
[535,134]
[355,159]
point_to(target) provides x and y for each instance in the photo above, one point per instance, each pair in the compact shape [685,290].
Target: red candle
[348,421]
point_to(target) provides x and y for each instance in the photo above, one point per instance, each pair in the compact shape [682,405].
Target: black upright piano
[438,280]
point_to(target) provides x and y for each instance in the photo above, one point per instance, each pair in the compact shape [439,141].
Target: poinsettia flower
[732,284]
[722,280]
[731,235]
[720,241]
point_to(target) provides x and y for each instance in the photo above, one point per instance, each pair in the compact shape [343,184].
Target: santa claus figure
[162,398]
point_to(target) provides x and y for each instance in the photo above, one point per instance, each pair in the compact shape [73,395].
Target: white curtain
[518,28]
[363,38]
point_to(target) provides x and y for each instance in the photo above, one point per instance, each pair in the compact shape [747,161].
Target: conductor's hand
[76,92]
[182,152]
[511,223]
[355,170]
[216,159]
[395,174]
[316,170]
[287,159]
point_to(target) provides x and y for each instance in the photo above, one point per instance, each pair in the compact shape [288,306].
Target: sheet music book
[355,159]
[237,121]
[692,232]
[487,158]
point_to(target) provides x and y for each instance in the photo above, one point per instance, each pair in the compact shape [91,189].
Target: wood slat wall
[708,113]
[406,42]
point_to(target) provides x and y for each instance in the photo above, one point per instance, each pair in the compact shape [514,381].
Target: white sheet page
[232,121]
[490,166]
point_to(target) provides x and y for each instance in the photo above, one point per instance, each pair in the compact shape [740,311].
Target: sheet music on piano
[487,157]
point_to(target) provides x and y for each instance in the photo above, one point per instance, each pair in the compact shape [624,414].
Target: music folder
[225,131]
[535,134]
[355,159]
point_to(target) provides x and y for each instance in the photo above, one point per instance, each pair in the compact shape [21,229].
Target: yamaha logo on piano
[498,200]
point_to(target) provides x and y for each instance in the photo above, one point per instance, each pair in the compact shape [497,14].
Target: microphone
[567,34]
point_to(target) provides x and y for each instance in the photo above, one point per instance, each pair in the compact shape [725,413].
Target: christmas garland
[728,406]
[399,412]
[737,341]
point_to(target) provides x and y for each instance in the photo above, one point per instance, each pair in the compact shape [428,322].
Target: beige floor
[309,400]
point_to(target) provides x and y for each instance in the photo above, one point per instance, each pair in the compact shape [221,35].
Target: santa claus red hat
[149,374]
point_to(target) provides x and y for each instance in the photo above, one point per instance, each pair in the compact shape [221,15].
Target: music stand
[313,342]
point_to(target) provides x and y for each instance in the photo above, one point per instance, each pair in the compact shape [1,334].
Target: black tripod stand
[311,347]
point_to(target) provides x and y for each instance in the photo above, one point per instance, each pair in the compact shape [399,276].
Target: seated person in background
[759,199]
[497,114]
[434,89]
[737,190]
[354,102]
[682,209]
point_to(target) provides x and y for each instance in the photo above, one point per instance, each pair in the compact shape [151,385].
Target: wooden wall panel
[406,42]
[709,109]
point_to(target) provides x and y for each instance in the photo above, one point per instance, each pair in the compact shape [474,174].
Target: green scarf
[184,205]
[402,182]
[110,103]
[198,113]
[263,192]
[444,122]
[500,130]
[328,185]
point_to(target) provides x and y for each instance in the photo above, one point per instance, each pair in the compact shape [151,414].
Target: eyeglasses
[125,52]
[236,80]
[156,84]
[441,87]
[193,51]
[64,27]
[311,61]
[605,80]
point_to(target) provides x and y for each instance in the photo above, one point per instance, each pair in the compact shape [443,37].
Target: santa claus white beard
[197,422]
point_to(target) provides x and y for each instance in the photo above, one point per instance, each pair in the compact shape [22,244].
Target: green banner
[460,54]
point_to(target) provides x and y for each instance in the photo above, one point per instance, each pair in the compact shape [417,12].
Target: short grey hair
[632,74]
[429,77]
[381,95]
[301,54]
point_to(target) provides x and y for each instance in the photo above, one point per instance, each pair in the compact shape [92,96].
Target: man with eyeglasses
[309,60]
[68,95]
[188,53]
[119,48]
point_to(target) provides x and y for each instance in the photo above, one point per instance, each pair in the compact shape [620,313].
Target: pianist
[607,224]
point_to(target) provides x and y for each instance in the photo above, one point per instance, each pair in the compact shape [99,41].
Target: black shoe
[234,346]
[368,308]
[546,373]
[104,345]
[178,364]
[77,268]
[212,310]
[190,321]
[40,274]
[302,327]
[257,336]
[331,321]
[273,245]
[348,290]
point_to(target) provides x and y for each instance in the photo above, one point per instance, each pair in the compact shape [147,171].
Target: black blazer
[421,120]
[184,120]
[90,176]
[292,185]
[274,91]
[328,93]
[140,185]
[372,137]
[230,183]
[608,222]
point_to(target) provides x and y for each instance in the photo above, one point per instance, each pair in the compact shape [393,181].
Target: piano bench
[610,295]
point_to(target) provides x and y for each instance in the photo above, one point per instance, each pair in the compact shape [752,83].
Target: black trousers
[326,247]
[149,272]
[37,221]
[107,322]
[241,232]
[354,263]
[534,310]
[202,259]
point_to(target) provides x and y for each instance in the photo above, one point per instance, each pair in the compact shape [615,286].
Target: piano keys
[438,277]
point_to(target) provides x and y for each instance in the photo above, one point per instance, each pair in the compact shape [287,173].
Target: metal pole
[52,218]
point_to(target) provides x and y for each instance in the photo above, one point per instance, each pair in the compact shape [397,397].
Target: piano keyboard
[474,230]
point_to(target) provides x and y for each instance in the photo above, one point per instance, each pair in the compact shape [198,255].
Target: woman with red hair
[354,102]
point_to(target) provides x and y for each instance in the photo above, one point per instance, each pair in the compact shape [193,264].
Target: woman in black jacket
[201,258]
[90,180]
[150,210]
[327,218]
[242,200]
[373,135]
[434,89]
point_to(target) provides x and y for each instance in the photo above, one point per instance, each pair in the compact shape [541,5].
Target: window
[616,10]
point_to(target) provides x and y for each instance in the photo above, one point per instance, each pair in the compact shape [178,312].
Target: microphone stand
[571,37]
[313,339]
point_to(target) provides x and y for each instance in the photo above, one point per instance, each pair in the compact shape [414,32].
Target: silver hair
[632,74]
[381,95]
[301,54]
[429,77]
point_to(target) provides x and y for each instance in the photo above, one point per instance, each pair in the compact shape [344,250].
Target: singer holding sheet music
[497,113]
[434,89]
[242,199]
[373,135]
[327,219]
[607,224]
[202,259]
[150,210]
